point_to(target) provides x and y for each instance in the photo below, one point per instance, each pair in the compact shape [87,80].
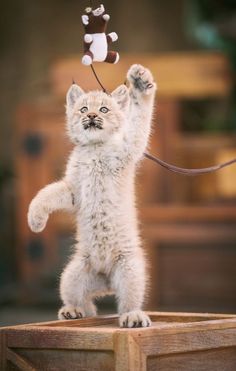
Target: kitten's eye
[104,109]
[84,109]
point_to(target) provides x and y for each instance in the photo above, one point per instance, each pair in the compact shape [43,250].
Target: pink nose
[92,115]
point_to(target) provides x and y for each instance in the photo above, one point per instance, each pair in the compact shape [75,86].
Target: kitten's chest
[96,180]
[93,175]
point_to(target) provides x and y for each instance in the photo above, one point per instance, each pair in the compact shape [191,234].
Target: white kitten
[110,134]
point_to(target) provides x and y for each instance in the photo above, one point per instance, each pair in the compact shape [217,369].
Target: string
[93,69]
[170,167]
[189,172]
[99,82]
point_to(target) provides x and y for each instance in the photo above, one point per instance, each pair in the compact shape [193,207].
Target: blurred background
[188,223]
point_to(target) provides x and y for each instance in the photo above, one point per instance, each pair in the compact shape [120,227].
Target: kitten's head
[95,117]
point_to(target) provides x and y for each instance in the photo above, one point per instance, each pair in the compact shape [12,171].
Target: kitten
[110,134]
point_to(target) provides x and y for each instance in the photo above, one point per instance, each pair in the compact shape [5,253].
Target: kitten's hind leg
[88,309]
[79,284]
[128,281]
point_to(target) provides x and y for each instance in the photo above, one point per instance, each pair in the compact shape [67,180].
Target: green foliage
[212,24]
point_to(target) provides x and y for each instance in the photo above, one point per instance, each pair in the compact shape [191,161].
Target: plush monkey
[95,39]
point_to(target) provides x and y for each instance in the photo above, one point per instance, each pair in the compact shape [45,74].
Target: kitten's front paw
[70,312]
[37,219]
[135,318]
[141,79]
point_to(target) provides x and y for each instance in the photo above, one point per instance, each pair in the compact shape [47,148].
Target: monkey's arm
[55,196]
[87,58]
[111,37]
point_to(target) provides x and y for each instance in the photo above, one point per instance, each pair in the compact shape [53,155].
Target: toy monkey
[95,39]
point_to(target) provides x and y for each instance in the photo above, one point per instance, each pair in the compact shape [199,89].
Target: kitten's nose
[92,115]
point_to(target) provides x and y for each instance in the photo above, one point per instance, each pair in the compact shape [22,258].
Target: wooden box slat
[188,341]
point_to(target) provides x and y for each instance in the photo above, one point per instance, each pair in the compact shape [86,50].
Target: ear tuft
[121,95]
[73,95]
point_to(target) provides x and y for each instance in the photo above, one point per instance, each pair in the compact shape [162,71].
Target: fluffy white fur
[98,187]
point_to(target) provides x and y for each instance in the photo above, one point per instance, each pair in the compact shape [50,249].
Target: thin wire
[189,172]
[92,68]
[170,167]
[96,77]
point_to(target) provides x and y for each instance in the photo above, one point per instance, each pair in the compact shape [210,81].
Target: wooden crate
[176,341]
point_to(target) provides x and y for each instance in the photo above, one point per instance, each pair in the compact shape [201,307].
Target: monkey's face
[99,11]
[96,12]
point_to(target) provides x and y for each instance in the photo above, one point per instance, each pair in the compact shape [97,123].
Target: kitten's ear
[121,95]
[72,95]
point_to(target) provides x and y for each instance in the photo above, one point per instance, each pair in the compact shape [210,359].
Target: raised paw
[37,219]
[70,312]
[141,79]
[135,318]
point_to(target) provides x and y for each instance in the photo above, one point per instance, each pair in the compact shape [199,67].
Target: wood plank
[19,361]
[173,336]
[220,360]
[128,355]
[165,213]
[169,317]
[176,316]
[83,322]
[75,360]
[173,340]
[181,264]
[60,338]
[194,74]
[197,233]
[101,320]
[3,359]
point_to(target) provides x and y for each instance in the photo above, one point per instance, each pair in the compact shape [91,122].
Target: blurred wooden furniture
[179,75]
[176,341]
[186,221]
[41,154]
[192,250]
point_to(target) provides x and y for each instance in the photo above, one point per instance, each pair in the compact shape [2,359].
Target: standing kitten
[110,134]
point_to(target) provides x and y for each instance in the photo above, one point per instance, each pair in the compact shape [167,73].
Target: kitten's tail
[189,172]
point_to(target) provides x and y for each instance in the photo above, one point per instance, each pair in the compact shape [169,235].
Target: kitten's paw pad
[37,220]
[141,79]
[70,312]
[135,318]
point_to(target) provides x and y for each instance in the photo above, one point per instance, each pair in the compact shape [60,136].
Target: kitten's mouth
[92,125]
